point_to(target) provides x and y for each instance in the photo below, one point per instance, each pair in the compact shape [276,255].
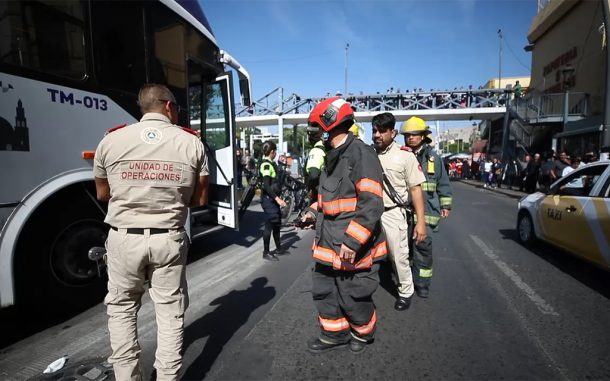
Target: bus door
[211,114]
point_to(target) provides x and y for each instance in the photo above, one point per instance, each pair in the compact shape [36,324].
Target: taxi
[573,215]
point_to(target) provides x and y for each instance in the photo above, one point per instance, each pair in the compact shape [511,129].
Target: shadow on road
[586,273]
[220,325]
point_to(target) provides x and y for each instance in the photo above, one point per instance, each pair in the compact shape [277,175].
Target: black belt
[390,207]
[142,230]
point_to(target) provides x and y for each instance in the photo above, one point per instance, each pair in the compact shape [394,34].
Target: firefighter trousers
[345,303]
[422,261]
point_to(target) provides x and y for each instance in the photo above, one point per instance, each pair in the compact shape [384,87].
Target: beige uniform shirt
[151,167]
[402,170]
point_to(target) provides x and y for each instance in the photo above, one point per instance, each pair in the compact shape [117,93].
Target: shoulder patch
[116,128]
[190,131]
[406,148]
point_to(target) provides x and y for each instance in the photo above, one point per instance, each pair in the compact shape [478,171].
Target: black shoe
[356,346]
[270,257]
[318,346]
[422,292]
[281,252]
[402,303]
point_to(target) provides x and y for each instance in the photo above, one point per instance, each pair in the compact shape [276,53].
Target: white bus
[69,71]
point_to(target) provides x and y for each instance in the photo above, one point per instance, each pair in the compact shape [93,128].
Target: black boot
[422,292]
[319,346]
[357,346]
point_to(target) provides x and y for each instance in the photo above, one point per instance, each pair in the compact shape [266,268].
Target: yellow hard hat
[355,130]
[414,125]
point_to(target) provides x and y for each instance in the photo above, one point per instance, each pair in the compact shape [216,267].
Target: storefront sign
[563,59]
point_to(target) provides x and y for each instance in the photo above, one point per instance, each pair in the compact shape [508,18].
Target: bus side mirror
[244,89]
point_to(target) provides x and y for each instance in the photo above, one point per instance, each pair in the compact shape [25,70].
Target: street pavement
[497,310]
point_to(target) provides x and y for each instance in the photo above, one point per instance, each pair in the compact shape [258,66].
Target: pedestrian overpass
[276,109]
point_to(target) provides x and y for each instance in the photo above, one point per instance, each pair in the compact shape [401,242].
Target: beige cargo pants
[396,230]
[133,258]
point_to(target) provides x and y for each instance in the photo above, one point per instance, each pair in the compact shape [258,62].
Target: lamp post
[346,61]
[500,61]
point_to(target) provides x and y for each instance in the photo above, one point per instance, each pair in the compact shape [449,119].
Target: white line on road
[542,305]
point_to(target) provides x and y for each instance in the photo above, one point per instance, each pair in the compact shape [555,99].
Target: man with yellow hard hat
[437,191]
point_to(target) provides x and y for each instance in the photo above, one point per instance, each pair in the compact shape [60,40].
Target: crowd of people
[537,172]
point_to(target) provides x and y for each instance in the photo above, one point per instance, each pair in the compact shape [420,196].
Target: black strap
[392,193]
[397,199]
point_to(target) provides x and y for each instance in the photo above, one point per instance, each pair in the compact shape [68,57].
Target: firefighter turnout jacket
[350,205]
[437,188]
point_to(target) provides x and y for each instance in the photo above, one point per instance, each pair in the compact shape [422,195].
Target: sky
[300,45]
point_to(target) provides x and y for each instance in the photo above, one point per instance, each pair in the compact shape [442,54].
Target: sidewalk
[508,192]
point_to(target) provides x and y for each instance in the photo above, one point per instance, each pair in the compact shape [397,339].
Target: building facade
[565,105]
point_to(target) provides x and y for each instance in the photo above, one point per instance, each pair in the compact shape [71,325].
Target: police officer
[437,191]
[403,176]
[150,172]
[315,160]
[349,239]
[271,200]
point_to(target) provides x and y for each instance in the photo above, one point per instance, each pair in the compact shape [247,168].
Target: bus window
[195,106]
[25,38]
[168,63]
[216,116]
[118,45]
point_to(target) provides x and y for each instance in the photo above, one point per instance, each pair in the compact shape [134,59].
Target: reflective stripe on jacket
[350,206]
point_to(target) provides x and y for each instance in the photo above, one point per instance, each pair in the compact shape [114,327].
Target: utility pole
[438,136]
[346,62]
[500,61]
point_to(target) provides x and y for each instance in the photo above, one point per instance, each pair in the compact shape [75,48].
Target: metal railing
[273,103]
[537,108]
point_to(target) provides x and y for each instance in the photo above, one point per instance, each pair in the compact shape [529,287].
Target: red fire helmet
[330,113]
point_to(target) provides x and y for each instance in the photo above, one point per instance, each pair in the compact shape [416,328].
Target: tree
[295,136]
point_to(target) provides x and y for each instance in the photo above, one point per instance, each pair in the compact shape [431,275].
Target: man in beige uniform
[404,174]
[150,172]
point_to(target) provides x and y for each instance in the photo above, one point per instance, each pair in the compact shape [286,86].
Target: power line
[515,56]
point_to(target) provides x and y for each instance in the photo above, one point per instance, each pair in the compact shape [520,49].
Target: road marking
[542,305]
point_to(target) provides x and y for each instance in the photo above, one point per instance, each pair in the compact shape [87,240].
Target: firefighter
[437,191]
[402,178]
[349,239]
[315,160]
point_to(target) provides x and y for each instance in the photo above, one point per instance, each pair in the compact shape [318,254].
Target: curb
[513,194]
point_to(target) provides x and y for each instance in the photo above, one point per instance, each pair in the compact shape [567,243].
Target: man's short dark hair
[384,121]
[153,96]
